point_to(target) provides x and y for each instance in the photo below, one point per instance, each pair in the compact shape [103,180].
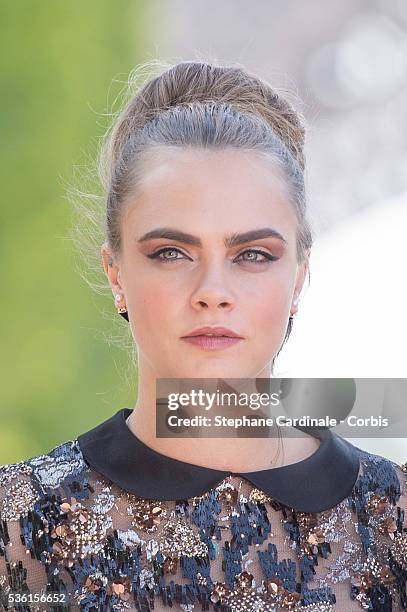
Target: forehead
[203,188]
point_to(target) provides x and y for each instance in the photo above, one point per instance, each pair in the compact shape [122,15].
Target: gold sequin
[317,536]
[243,597]
[228,494]
[170,566]
[82,532]
[178,538]
[147,514]
[388,526]
[219,592]
[258,496]
[373,572]
[307,520]
[273,587]
[120,587]
[377,504]
[289,600]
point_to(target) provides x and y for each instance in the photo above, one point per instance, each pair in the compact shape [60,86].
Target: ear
[111,268]
[299,283]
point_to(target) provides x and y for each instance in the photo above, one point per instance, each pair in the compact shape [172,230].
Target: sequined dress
[103,522]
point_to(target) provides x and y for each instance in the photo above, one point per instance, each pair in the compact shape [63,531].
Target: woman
[206,233]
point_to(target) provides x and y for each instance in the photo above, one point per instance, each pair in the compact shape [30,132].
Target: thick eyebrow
[229,241]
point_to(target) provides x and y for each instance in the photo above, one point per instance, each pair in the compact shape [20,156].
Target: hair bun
[190,81]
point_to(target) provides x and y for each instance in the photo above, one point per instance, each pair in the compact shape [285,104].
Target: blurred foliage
[62,65]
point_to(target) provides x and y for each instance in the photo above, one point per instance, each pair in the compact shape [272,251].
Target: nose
[213,292]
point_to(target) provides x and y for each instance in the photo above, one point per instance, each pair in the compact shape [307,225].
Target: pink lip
[213,329]
[211,343]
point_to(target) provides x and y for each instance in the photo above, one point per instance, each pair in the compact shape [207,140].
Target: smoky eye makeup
[257,256]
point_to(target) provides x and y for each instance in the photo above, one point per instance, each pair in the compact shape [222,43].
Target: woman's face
[174,286]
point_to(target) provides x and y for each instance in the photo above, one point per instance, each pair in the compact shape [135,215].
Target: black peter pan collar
[319,482]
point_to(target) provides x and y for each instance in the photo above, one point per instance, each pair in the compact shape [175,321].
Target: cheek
[154,308]
[269,304]
[268,321]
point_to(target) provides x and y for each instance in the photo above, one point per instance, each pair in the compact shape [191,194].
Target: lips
[212,343]
[209,331]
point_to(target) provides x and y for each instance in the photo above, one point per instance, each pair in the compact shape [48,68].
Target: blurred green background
[62,64]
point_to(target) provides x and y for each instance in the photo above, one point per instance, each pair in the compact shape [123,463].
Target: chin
[220,371]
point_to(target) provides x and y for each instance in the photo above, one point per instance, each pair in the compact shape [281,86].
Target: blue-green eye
[256,251]
[157,255]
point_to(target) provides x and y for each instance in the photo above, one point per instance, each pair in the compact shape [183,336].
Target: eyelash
[157,253]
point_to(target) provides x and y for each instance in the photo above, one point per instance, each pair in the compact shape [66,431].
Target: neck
[227,453]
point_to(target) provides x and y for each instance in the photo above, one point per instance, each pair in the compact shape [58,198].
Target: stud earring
[121,311]
[293,315]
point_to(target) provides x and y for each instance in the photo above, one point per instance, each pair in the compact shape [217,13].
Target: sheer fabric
[75,537]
